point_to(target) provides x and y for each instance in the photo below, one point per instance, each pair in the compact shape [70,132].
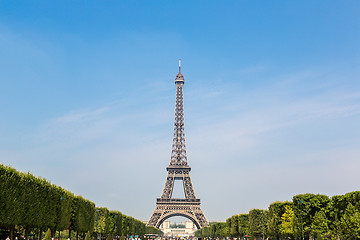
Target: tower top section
[178,153]
[179,79]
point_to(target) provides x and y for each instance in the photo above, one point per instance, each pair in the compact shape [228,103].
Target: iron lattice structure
[166,206]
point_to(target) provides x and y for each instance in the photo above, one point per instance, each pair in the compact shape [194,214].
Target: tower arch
[177,214]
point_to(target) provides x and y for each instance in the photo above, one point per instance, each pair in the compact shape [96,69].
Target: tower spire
[178,153]
[179,77]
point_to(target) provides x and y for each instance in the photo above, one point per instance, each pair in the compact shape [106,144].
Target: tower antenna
[179,65]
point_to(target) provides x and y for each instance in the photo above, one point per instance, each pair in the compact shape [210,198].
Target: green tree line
[308,216]
[30,204]
[214,230]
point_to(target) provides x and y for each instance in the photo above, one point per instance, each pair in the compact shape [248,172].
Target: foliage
[117,222]
[48,235]
[28,202]
[350,222]
[114,223]
[175,225]
[153,230]
[216,229]
[287,222]
[257,222]
[313,216]
[228,226]
[276,211]
[339,205]
[306,206]
[82,216]
[32,202]
[101,217]
[88,236]
[244,228]
[131,226]
[319,225]
[234,227]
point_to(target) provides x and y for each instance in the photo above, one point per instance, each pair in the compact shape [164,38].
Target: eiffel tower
[166,206]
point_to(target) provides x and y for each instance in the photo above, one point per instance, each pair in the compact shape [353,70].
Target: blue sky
[272,98]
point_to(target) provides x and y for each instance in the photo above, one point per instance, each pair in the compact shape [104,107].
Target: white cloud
[80,116]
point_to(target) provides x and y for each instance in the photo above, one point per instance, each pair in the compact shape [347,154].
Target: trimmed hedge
[33,203]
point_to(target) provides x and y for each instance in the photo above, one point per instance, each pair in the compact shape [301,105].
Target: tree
[10,206]
[82,215]
[48,235]
[234,227]
[153,230]
[257,222]
[216,229]
[353,198]
[243,225]
[287,222]
[305,207]
[116,222]
[350,222]
[319,225]
[205,231]
[28,202]
[126,225]
[276,211]
[220,229]
[337,208]
[228,226]
[338,205]
[101,215]
[213,229]
[88,236]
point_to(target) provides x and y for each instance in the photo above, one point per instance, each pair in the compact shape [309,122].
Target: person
[8,238]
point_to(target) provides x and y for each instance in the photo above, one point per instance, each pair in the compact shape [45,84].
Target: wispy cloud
[81,116]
